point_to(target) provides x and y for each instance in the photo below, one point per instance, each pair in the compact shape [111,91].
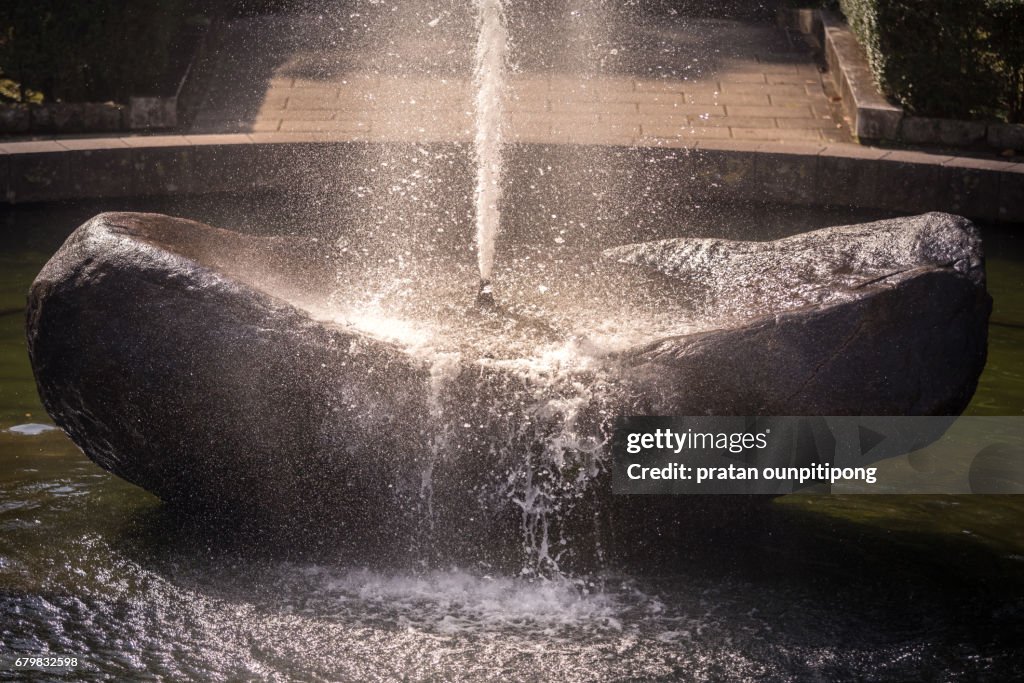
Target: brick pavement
[727,79]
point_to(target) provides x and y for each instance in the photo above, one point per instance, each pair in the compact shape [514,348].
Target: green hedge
[101,50]
[945,58]
[98,50]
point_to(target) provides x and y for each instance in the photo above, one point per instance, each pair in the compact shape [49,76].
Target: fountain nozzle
[485,296]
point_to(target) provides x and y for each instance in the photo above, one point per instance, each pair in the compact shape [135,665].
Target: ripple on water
[193,615]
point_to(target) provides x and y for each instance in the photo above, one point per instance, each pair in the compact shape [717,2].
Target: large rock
[885,318]
[159,348]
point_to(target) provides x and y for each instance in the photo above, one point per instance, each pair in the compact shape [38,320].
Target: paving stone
[324,90]
[312,80]
[793,79]
[324,126]
[658,98]
[662,86]
[661,130]
[788,101]
[329,102]
[733,121]
[558,105]
[768,65]
[828,111]
[617,95]
[595,131]
[776,112]
[839,134]
[671,122]
[669,143]
[765,89]
[594,137]
[268,126]
[768,134]
[741,77]
[710,87]
[301,115]
[681,109]
[816,123]
[726,99]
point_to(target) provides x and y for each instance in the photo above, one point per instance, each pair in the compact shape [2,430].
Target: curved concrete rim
[839,174]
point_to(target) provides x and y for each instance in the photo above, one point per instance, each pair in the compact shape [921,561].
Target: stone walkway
[624,80]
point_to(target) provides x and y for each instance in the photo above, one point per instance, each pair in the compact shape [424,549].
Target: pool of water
[826,588]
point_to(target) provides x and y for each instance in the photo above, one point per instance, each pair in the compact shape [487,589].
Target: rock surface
[178,357]
[884,318]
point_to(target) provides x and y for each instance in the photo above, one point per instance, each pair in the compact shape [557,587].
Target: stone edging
[873,117]
[808,174]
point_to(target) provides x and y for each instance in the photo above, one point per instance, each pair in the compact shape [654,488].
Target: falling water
[489,79]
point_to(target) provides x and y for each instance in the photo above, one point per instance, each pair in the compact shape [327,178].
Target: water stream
[491,90]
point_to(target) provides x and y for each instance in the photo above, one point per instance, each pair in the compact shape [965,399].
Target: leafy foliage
[88,51]
[945,58]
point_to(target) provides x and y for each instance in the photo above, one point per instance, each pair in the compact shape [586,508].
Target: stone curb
[795,173]
[873,117]
[140,114]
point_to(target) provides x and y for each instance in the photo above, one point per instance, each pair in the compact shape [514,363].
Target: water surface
[839,588]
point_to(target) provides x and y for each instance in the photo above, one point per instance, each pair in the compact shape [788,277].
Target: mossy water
[837,588]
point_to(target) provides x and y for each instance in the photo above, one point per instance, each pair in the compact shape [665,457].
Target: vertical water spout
[489,80]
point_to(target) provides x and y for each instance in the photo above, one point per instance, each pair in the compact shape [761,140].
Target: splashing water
[540,354]
[489,79]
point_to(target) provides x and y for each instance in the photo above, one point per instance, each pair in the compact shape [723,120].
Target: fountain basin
[185,359]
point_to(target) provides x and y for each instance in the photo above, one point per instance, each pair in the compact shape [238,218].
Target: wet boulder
[884,318]
[185,359]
